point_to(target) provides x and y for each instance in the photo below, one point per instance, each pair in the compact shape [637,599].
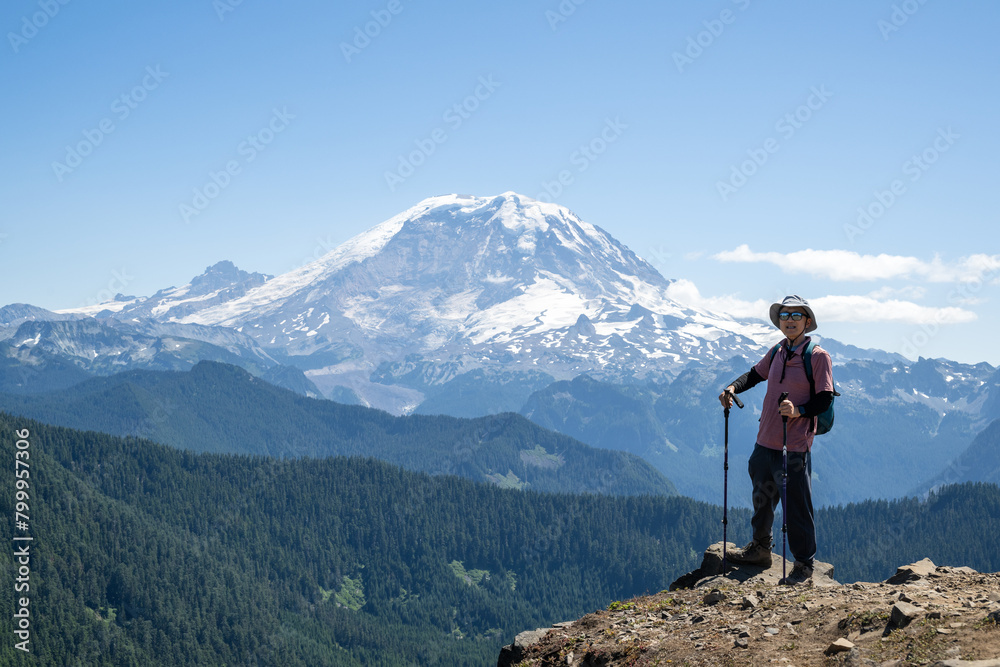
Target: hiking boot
[755,553]
[801,574]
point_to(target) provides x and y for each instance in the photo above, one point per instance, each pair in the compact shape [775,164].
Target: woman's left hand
[786,409]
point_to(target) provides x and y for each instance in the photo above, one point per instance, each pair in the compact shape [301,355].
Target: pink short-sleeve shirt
[800,433]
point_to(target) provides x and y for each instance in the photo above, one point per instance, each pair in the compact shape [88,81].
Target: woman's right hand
[726,397]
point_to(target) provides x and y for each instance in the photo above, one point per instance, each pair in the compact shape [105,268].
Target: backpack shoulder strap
[807,361]
[774,351]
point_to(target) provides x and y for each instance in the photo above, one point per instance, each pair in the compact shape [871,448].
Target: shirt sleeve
[763,367]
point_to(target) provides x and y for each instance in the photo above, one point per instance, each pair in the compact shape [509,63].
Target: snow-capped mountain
[220,283]
[55,353]
[457,283]
[476,305]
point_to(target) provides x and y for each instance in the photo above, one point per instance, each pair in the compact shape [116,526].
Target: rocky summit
[923,615]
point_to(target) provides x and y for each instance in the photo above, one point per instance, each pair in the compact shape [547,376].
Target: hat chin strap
[794,342]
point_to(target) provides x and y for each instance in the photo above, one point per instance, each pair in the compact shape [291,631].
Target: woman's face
[790,327]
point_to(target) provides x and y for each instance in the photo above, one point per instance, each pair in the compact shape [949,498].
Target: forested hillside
[223,409]
[148,555]
[145,554]
[956,525]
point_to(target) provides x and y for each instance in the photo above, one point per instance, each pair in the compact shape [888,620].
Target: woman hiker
[783,370]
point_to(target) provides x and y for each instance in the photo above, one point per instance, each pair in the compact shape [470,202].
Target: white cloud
[686,292]
[981,267]
[867,309]
[844,265]
[846,308]
[914,292]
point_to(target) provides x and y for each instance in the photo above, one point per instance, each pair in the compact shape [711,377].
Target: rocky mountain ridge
[40,354]
[923,615]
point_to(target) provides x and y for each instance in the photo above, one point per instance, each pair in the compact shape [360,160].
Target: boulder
[513,653]
[839,646]
[714,597]
[913,572]
[903,613]
[710,574]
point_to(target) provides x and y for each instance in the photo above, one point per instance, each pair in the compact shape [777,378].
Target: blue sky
[733,144]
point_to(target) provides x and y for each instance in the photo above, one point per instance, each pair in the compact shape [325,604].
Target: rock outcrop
[710,573]
[923,615]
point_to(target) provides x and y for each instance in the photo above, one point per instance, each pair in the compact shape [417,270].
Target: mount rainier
[458,284]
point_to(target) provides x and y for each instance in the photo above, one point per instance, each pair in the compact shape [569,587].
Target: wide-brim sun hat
[793,301]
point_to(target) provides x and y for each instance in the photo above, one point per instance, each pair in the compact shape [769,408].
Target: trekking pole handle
[736,399]
[782,399]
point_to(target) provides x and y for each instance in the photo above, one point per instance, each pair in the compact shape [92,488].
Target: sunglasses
[794,317]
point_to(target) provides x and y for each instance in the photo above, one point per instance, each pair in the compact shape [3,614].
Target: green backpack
[824,421]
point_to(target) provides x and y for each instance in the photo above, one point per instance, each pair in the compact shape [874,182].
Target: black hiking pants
[765,473]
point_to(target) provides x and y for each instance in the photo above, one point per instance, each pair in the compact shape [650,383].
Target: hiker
[783,369]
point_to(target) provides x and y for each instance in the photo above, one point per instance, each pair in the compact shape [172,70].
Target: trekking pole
[784,483]
[725,481]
